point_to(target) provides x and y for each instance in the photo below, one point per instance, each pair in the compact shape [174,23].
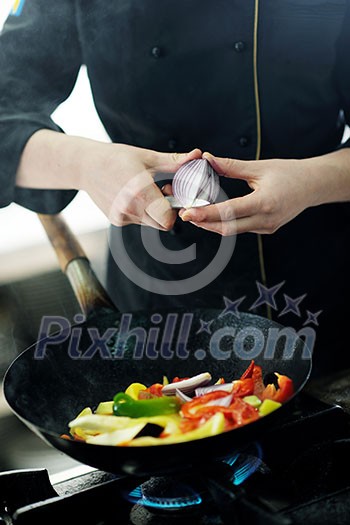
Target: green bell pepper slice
[126,406]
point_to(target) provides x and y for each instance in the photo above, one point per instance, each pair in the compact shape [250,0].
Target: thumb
[232,168]
[171,162]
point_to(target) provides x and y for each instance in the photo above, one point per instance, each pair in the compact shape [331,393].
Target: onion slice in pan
[221,401]
[224,387]
[187,385]
[183,397]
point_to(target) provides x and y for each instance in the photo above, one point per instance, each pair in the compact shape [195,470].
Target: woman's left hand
[281,190]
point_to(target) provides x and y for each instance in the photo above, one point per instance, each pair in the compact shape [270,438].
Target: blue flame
[191,499]
[244,464]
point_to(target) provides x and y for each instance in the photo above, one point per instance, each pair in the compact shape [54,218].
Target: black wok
[47,393]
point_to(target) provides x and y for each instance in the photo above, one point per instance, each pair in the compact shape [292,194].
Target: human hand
[122,184]
[118,178]
[281,190]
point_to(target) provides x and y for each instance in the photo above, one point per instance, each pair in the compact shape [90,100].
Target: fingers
[234,227]
[125,220]
[232,168]
[167,190]
[161,212]
[148,221]
[148,198]
[224,211]
[171,162]
[255,224]
[141,202]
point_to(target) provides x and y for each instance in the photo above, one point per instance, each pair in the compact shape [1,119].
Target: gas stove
[297,473]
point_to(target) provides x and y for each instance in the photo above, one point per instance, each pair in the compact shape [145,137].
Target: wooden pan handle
[63,241]
[74,263]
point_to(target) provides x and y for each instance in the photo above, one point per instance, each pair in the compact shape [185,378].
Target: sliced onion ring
[180,395]
[225,387]
[187,385]
[221,402]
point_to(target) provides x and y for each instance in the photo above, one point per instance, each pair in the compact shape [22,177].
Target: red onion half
[196,184]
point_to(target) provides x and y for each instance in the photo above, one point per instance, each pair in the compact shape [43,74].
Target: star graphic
[292,305]
[205,326]
[266,295]
[231,307]
[312,318]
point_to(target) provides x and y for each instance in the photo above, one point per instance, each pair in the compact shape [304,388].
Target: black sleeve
[343,69]
[40,58]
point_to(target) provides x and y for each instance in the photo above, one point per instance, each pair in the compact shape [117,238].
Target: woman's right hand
[118,178]
[122,185]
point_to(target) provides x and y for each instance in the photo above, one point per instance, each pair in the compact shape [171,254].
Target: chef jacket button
[156,52]
[239,46]
[243,142]
[172,144]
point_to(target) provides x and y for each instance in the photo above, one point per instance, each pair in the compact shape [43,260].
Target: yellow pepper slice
[134,389]
[254,401]
[214,425]
[105,408]
[77,430]
[268,406]
[92,424]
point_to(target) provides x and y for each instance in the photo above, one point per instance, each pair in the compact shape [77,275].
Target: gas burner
[175,493]
[165,494]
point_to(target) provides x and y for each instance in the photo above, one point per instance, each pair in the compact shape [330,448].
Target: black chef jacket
[174,75]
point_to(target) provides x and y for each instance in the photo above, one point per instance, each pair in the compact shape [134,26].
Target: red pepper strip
[186,425]
[240,414]
[177,379]
[196,408]
[152,391]
[144,394]
[255,372]
[259,386]
[65,436]
[243,387]
[281,394]
[249,371]
[237,414]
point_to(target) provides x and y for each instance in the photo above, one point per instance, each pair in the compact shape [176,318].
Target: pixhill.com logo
[218,333]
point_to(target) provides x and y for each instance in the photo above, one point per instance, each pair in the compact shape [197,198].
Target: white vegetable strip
[187,385]
[98,423]
[225,387]
[117,437]
[182,396]
[221,402]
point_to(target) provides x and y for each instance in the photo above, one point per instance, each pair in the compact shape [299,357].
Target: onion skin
[196,180]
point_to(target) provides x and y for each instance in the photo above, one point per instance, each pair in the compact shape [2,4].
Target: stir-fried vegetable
[181,410]
[125,405]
